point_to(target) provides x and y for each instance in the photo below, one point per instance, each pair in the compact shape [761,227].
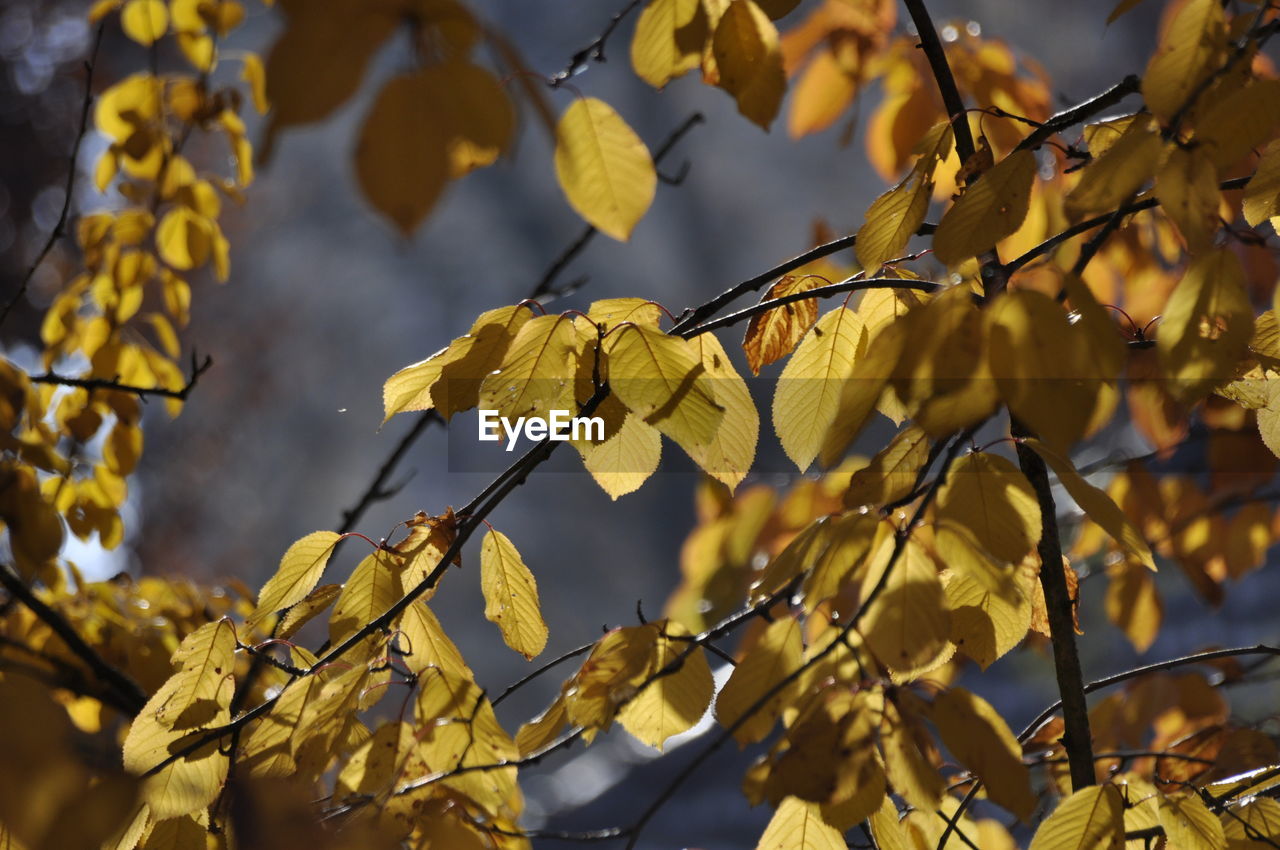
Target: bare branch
[593,52]
[91,384]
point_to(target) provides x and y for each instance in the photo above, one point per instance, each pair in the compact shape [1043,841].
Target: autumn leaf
[1190,49]
[672,703]
[662,379]
[402,156]
[808,394]
[299,572]
[798,825]
[892,220]
[1206,325]
[745,45]
[908,624]
[511,595]
[988,500]
[1090,819]
[604,168]
[774,657]
[977,736]
[668,40]
[988,211]
[774,334]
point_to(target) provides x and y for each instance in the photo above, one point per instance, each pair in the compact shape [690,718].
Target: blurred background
[326,300]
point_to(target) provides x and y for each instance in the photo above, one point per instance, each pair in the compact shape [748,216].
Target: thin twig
[593,52]
[571,654]
[693,316]
[377,490]
[91,384]
[852,284]
[60,228]
[1081,112]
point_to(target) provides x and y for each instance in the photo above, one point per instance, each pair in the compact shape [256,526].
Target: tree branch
[693,316]
[1081,112]
[1136,672]
[593,52]
[91,384]
[131,697]
[1097,221]
[852,284]
[60,228]
[937,56]
[1077,739]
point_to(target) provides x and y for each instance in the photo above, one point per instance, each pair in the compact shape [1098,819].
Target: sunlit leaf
[511,595]
[604,168]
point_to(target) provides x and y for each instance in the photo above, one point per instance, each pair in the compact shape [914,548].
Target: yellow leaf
[1190,50]
[144,21]
[626,460]
[610,674]
[978,736]
[849,539]
[470,359]
[255,75]
[798,825]
[892,220]
[543,729]
[511,595]
[990,604]
[1187,187]
[188,784]
[1189,824]
[731,450]
[320,58]
[988,211]
[202,689]
[1206,325]
[908,625]
[604,168]
[299,571]
[1269,418]
[181,833]
[313,605]
[457,727]
[402,156]
[799,555]
[1261,816]
[374,586]
[987,499]
[185,238]
[672,703]
[775,656]
[892,472]
[1096,504]
[824,92]
[913,775]
[426,645]
[614,311]
[1126,165]
[887,829]
[1133,603]
[1045,369]
[747,54]
[864,391]
[1090,819]
[475,111]
[942,376]
[808,394]
[1262,192]
[663,380]
[773,334]
[1239,122]
[668,40]
[536,375]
